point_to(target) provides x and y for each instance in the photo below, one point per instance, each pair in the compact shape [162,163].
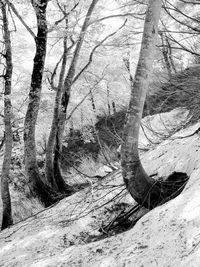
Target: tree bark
[37,187]
[170,55]
[142,187]
[51,162]
[165,52]
[5,194]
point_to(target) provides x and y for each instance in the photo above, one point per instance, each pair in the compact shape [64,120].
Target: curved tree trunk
[37,187]
[143,188]
[5,194]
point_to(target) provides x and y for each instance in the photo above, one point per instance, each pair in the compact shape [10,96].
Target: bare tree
[142,187]
[72,77]
[5,194]
[38,188]
[50,172]
[66,84]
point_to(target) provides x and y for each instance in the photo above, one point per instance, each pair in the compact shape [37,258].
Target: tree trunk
[170,55]
[108,100]
[62,186]
[114,107]
[5,194]
[38,188]
[143,188]
[165,52]
[71,72]
[69,79]
[52,167]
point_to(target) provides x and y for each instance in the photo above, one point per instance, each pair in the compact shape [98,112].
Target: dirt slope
[167,236]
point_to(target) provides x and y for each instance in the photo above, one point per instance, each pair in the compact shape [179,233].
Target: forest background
[96,44]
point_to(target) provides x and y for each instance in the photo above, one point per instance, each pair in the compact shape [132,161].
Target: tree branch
[75,108]
[178,42]
[53,74]
[119,16]
[180,22]
[180,12]
[93,51]
[20,18]
[65,14]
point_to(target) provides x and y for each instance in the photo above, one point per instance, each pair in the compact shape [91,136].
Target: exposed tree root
[122,221]
[169,189]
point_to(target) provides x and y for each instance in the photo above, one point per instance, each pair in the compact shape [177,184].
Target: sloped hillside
[181,91]
[169,235]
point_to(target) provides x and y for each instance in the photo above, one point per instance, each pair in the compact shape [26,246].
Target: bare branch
[180,12]
[53,75]
[90,90]
[63,11]
[181,46]
[93,51]
[127,65]
[78,105]
[65,15]
[119,16]
[13,21]
[20,18]
[2,141]
[181,22]
[190,2]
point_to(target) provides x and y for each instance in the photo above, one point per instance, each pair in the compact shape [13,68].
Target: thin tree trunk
[96,132]
[71,72]
[170,55]
[62,186]
[52,144]
[93,105]
[165,52]
[69,79]
[142,187]
[38,188]
[5,194]
[114,107]
[108,100]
